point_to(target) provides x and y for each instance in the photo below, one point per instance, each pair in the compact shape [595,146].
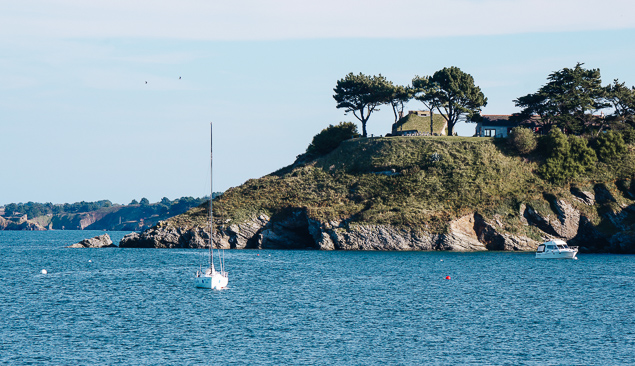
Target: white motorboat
[211,278]
[556,249]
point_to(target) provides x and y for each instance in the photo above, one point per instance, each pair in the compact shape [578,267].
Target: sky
[114,99]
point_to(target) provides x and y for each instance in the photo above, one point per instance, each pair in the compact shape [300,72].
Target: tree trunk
[394,110]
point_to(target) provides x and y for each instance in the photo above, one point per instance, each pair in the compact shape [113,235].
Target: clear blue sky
[79,123]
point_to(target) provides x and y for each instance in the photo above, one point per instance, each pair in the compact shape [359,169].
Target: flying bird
[146,82]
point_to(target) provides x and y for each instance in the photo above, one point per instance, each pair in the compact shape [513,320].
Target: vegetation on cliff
[422,183]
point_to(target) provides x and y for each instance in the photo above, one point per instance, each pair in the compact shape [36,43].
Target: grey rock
[296,231]
[564,223]
[567,220]
[518,243]
[462,236]
[101,241]
[321,237]
[242,236]
[166,237]
[585,197]
[380,237]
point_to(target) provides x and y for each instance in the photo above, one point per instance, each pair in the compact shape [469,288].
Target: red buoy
[447,277]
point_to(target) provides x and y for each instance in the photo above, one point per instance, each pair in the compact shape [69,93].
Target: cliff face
[20,224]
[441,194]
[468,233]
[116,218]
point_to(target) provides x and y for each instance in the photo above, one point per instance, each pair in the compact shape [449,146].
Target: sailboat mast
[211,192]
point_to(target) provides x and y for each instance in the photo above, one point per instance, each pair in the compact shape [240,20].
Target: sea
[301,307]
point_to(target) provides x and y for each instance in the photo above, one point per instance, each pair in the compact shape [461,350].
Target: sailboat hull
[216,281]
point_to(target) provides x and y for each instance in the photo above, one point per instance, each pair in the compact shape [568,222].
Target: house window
[489,133]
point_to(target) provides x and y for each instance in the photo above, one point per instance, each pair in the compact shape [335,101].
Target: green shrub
[566,157]
[609,146]
[628,135]
[523,140]
[331,137]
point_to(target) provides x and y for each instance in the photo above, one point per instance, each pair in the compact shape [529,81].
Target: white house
[494,125]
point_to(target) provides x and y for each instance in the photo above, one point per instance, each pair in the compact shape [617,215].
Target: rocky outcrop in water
[101,241]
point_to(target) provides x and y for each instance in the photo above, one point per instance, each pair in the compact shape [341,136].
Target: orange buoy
[447,277]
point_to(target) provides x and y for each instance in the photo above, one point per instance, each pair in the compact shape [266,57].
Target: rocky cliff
[20,223]
[467,233]
[442,194]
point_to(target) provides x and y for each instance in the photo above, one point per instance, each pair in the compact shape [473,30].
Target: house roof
[507,120]
[498,120]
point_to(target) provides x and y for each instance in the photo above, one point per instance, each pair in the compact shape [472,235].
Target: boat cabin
[552,245]
[556,249]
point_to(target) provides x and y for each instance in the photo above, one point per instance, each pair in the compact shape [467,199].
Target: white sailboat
[211,278]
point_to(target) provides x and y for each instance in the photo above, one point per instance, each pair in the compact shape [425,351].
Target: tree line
[570,99]
[35,209]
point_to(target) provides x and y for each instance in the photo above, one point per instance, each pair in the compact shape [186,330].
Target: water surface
[139,306]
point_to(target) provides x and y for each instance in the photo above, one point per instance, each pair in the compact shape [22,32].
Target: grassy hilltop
[421,183]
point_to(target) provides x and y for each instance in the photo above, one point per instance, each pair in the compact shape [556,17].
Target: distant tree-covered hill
[99,215]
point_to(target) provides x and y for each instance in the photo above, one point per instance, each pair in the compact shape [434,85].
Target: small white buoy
[441,260]
[44,271]
[90,261]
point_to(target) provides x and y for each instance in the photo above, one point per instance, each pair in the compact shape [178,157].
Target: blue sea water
[139,307]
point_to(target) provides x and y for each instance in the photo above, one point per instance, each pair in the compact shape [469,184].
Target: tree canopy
[622,99]
[331,137]
[362,94]
[452,93]
[568,100]
[399,95]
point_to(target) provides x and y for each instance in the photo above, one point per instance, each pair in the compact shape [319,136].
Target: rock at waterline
[102,241]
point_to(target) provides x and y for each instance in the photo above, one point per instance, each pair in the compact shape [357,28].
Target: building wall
[491,131]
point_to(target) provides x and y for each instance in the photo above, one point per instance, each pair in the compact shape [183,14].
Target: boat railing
[573,248]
